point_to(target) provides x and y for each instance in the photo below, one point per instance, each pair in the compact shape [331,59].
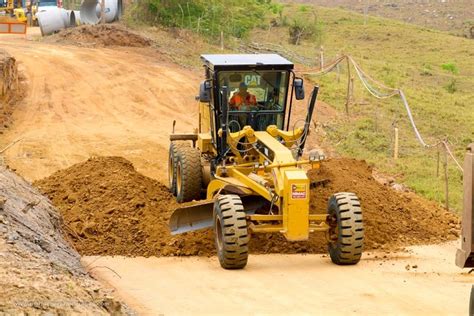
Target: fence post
[437,163]
[222,40]
[395,147]
[321,57]
[348,98]
[446,178]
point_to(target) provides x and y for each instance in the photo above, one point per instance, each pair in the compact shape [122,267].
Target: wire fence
[381,91]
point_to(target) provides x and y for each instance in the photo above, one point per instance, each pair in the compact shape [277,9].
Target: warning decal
[298,191]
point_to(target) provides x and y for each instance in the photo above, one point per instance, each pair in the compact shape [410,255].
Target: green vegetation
[451,67]
[404,56]
[305,26]
[210,18]
[437,79]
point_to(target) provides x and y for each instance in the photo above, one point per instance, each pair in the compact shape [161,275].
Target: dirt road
[84,101]
[292,284]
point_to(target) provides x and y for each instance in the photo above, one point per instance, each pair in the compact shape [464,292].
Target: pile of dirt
[100,35]
[391,218]
[40,273]
[110,209]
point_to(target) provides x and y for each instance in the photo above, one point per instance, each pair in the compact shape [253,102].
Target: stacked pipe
[91,9]
[53,19]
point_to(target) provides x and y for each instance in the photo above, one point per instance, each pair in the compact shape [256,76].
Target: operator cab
[251,89]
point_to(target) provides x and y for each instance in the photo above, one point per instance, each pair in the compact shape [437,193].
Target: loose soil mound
[110,209]
[100,35]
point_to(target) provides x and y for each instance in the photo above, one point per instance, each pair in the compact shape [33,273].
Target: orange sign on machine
[12,27]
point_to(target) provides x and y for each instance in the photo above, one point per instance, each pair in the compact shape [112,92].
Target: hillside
[398,54]
[456,17]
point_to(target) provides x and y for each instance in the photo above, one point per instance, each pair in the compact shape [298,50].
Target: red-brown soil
[100,35]
[111,209]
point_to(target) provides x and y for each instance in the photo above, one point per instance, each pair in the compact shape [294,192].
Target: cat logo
[252,80]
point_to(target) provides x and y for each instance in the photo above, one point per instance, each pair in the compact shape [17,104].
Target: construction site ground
[117,106]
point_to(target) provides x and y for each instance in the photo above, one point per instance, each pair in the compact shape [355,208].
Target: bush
[208,17]
[304,28]
[451,86]
[451,67]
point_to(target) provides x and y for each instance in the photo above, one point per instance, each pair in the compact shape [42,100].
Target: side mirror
[205,91]
[299,88]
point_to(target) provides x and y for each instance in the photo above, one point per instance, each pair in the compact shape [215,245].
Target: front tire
[231,232]
[346,233]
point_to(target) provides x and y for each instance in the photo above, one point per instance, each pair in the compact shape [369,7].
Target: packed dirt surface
[111,209]
[86,101]
[100,35]
[39,271]
[419,281]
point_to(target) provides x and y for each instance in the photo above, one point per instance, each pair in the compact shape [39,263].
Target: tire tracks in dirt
[83,102]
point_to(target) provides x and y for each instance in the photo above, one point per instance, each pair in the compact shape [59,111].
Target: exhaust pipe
[465,255]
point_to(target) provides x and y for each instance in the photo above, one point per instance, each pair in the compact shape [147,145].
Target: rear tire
[346,231]
[188,174]
[231,232]
[172,160]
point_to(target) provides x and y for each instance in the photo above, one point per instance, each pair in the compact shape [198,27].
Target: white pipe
[52,19]
[77,15]
[71,18]
[90,11]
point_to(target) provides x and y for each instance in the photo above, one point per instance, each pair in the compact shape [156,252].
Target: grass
[433,68]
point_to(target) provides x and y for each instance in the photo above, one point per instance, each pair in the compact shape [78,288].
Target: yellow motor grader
[245,157]
[12,11]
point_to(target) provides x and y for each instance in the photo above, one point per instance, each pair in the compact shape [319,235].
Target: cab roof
[245,61]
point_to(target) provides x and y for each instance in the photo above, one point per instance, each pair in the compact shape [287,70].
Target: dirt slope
[39,271]
[84,101]
[453,16]
[11,87]
[111,209]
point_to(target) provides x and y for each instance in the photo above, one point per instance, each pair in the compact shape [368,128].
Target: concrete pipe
[51,20]
[71,18]
[90,11]
[77,15]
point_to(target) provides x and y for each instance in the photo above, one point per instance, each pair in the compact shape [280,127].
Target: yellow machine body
[247,156]
[254,175]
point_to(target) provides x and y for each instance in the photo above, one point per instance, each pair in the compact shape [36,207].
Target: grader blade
[465,255]
[191,218]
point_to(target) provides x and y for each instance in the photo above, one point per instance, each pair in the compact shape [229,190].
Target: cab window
[255,98]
